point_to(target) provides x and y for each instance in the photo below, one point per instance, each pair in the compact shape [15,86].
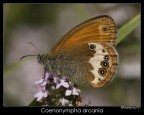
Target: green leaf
[128,28]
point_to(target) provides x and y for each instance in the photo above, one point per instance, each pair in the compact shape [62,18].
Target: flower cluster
[59,89]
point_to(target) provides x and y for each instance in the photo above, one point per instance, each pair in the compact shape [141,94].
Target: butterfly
[86,54]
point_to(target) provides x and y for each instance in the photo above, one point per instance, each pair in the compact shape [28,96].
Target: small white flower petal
[53,88]
[60,100]
[45,94]
[39,98]
[43,83]
[75,91]
[47,75]
[62,80]
[65,84]
[78,90]
[39,81]
[64,102]
[38,95]
[58,86]
[70,105]
[68,92]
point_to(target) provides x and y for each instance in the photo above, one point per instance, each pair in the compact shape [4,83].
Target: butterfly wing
[84,65]
[104,62]
[100,29]
[87,52]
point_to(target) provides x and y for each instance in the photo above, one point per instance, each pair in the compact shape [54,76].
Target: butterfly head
[44,60]
[41,58]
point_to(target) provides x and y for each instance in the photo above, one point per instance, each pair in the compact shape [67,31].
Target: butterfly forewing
[100,29]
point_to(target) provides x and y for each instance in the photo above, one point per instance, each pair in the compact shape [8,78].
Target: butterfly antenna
[34,46]
[31,55]
[26,56]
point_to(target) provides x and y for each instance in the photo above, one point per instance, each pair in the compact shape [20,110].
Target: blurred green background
[44,25]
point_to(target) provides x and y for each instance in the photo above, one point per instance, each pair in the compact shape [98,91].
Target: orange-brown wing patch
[100,29]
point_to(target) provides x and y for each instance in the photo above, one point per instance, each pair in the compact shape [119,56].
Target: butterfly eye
[104,28]
[92,46]
[102,71]
[104,64]
[106,57]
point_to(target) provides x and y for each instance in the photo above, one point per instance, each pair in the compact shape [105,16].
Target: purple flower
[43,82]
[55,82]
[65,102]
[42,85]
[60,82]
[39,81]
[40,95]
[72,91]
